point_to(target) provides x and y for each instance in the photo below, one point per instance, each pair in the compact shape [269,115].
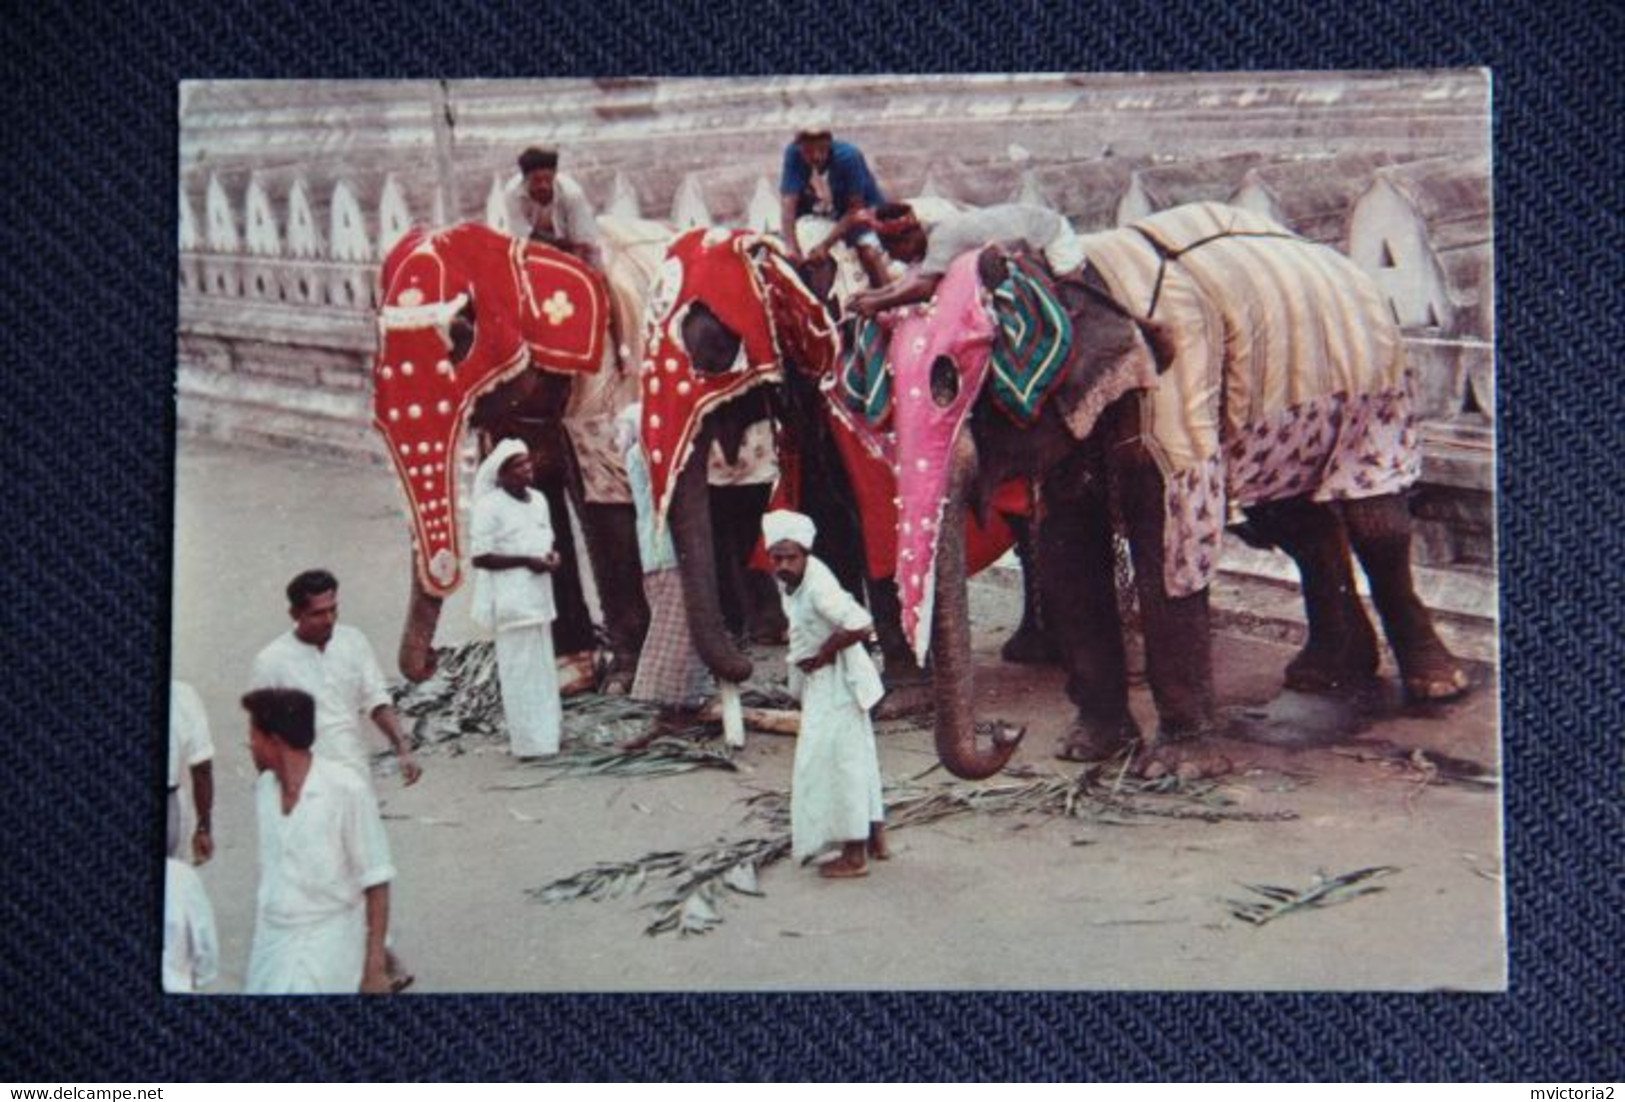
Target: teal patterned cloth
[1033,341]
[865,376]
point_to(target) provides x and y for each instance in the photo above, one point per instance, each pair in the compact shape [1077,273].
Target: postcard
[1000,532]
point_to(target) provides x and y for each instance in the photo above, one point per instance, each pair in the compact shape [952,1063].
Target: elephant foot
[1029,646]
[578,673]
[1185,761]
[1095,741]
[1438,686]
[1429,672]
[907,698]
[618,681]
[1314,671]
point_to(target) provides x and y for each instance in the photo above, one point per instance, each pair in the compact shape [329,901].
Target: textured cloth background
[90,299]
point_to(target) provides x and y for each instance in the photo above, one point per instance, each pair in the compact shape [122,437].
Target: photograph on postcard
[1024,531]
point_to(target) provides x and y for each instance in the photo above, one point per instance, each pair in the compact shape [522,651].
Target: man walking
[323,909]
[335,664]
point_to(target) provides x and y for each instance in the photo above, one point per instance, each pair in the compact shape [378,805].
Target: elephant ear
[807,336]
[565,309]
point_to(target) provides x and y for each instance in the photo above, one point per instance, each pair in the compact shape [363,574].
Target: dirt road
[1018,901]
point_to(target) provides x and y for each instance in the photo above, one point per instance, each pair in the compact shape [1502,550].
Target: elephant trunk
[417,659]
[955,690]
[691,534]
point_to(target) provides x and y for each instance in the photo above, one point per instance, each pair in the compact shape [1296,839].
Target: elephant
[1216,369]
[484,309]
[512,338]
[734,336]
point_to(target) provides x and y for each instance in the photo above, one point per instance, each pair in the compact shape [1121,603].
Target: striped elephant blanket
[1287,376]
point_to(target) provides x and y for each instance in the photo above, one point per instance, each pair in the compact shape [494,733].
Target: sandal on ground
[840,870]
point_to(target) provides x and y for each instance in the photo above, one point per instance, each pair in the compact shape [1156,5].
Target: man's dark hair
[286,714]
[306,585]
[536,157]
[894,220]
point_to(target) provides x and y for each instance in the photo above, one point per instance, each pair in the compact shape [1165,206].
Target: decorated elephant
[734,336]
[1205,367]
[514,339]
[519,335]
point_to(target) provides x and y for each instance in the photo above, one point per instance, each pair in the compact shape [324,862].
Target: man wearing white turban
[835,786]
[512,543]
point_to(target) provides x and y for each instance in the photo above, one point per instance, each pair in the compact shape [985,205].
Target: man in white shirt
[544,206]
[835,786]
[335,664]
[323,907]
[191,751]
[512,546]
[928,251]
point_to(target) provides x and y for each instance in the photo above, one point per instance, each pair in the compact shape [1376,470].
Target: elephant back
[1288,375]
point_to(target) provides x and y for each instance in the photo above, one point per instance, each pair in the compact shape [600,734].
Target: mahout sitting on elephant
[1208,367]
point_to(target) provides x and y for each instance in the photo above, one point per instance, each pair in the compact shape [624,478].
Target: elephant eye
[462,334]
[712,347]
[944,381]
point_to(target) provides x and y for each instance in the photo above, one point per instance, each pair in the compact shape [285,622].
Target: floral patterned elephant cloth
[1288,376]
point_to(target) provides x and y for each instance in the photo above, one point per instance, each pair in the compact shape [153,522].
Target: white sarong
[325,956]
[835,785]
[529,678]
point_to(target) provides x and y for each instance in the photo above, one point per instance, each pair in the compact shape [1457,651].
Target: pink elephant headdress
[957,326]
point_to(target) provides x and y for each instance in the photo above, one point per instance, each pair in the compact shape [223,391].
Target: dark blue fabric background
[89,298]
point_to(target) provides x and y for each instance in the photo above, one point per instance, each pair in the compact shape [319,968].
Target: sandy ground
[974,901]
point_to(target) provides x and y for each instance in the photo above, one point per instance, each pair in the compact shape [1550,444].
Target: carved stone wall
[291,192]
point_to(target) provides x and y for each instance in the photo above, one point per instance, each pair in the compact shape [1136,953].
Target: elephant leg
[1178,643]
[1031,644]
[612,547]
[573,630]
[750,601]
[1074,554]
[887,609]
[1380,529]
[1342,647]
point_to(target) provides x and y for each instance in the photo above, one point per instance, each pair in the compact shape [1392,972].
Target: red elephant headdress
[742,278]
[532,305]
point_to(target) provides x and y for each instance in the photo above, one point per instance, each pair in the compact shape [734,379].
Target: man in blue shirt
[829,179]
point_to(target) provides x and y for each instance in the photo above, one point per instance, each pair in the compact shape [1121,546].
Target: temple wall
[291,192]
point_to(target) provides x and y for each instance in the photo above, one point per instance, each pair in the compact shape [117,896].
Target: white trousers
[529,677]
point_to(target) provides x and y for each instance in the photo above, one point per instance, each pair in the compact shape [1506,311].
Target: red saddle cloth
[565,310]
